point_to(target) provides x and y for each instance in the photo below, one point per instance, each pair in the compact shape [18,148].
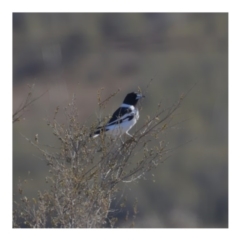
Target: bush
[85,173]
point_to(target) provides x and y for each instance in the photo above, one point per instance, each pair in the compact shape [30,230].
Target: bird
[123,119]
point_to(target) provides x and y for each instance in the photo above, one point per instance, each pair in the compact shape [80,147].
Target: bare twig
[19,113]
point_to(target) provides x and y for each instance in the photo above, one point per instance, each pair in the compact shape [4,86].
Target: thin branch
[27,103]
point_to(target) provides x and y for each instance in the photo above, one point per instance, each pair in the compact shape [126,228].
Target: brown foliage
[85,173]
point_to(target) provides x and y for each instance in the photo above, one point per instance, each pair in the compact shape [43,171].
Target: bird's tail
[96,133]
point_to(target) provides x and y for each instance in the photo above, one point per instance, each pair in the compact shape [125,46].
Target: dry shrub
[85,173]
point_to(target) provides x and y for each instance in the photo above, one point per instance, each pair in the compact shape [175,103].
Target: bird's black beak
[139,96]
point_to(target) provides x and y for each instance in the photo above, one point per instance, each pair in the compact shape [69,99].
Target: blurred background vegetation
[79,53]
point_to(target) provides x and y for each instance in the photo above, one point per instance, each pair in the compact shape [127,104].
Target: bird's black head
[132,98]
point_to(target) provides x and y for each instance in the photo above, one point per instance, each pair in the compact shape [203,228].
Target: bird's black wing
[120,115]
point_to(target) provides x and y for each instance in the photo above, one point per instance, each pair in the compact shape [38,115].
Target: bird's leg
[132,138]
[129,134]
